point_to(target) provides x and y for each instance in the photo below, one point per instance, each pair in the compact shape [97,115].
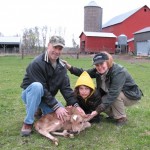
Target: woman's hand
[94,113]
[68,66]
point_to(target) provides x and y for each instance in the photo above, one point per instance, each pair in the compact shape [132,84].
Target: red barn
[94,42]
[130,45]
[129,23]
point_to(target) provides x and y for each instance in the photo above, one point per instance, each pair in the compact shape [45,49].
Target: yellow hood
[85,79]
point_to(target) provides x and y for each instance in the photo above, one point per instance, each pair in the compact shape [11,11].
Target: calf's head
[79,123]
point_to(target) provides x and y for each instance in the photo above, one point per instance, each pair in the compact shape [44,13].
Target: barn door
[143,48]
[82,46]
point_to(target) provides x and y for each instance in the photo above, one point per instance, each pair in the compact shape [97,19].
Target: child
[87,95]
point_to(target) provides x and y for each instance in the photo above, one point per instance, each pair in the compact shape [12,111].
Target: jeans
[32,97]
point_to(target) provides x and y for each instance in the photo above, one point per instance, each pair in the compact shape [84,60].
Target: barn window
[145,9]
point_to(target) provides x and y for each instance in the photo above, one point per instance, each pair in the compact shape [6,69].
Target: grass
[104,136]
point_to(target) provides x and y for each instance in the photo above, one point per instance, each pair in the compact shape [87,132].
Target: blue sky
[65,14]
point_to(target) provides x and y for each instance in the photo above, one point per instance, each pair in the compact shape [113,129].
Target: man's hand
[62,113]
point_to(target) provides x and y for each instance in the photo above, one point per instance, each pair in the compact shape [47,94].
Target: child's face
[84,91]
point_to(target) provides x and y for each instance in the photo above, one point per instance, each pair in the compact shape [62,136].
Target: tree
[37,38]
[44,35]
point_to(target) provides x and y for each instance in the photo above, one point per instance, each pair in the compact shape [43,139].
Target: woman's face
[84,91]
[102,67]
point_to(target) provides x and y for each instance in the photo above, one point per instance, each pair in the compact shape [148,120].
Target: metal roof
[129,40]
[7,40]
[99,34]
[147,29]
[120,18]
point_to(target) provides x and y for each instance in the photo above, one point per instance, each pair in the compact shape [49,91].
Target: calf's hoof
[71,135]
[55,141]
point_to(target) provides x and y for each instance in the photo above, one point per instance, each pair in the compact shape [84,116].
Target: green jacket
[117,79]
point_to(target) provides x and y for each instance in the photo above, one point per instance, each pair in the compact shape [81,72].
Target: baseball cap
[99,58]
[57,41]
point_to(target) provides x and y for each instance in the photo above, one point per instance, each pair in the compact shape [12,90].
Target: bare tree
[44,35]
[74,42]
[31,39]
[37,38]
[25,43]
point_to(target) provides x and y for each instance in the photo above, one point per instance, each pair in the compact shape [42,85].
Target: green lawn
[104,136]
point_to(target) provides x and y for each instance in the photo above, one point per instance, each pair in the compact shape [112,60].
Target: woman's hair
[110,60]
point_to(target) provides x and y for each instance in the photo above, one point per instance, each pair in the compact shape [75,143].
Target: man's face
[54,52]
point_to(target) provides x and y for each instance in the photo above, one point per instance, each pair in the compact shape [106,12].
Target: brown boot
[26,129]
[121,121]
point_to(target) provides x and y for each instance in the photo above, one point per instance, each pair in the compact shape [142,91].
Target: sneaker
[122,121]
[26,129]
[38,114]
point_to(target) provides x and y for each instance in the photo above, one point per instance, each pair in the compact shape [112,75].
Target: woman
[117,87]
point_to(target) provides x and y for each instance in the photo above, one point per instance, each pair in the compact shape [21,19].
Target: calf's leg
[65,133]
[48,135]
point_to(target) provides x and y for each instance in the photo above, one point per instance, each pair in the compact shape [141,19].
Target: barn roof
[121,18]
[130,40]
[99,34]
[9,40]
[147,29]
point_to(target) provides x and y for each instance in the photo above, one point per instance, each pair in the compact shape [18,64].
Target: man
[44,77]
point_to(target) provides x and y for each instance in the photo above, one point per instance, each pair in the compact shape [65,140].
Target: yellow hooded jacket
[93,100]
[86,80]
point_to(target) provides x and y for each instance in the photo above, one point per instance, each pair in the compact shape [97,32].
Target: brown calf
[49,124]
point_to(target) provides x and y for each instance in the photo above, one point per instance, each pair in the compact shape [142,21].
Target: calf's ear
[87,117]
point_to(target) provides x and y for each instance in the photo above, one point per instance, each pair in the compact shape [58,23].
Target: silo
[122,39]
[122,43]
[92,17]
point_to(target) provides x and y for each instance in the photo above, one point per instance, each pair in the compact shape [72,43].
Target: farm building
[142,41]
[94,42]
[125,24]
[130,45]
[92,17]
[10,44]
[129,23]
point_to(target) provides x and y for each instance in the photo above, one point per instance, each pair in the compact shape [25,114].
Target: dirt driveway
[131,58]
